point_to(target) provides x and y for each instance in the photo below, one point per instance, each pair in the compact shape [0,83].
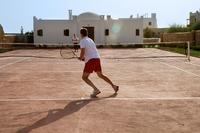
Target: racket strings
[68,54]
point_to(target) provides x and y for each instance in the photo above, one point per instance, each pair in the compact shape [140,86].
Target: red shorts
[92,65]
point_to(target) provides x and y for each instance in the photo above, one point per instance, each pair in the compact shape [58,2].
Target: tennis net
[67,51]
[52,50]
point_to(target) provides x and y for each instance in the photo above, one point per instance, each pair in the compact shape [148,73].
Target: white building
[150,22]
[103,30]
[194,17]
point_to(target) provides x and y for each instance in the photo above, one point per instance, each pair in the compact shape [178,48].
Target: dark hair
[84,32]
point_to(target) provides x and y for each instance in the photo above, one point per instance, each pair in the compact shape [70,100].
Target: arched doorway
[90,32]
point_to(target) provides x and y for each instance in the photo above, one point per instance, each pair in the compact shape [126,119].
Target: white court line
[100,98]
[192,64]
[13,62]
[61,72]
[172,66]
[180,61]
[5,58]
[185,62]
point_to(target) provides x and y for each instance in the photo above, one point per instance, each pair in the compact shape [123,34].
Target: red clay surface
[47,95]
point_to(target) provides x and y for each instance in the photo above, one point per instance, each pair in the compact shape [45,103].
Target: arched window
[66,32]
[40,32]
[106,32]
[137,32]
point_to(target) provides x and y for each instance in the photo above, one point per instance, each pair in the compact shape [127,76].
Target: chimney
[153,15]
[108,17]
[70,15]
[102,17]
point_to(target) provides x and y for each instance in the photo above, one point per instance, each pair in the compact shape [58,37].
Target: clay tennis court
[42,93]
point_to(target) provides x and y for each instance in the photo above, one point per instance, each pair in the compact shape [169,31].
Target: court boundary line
[173,66]
[100,98]
[194,64]
[12,63]
[178,68]
[5,58]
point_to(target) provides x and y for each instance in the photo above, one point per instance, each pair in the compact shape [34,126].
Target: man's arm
[82,54]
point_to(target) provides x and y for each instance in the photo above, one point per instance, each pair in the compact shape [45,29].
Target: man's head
[84,32]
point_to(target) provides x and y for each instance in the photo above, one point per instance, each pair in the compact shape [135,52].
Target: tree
[196,26]
[177,28]
[148,33]
[29,37]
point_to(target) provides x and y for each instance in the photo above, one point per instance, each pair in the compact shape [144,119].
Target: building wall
[152,20]
[53,31]
[121,31]
[194,17]
[124,31]
[98,29]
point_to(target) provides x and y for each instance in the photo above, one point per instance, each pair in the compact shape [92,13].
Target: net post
[188,50]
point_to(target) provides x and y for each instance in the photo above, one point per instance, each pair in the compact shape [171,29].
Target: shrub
[148,33]
[178,28]
[29,36]
[196,26]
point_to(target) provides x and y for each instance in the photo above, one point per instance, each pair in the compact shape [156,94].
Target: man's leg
[85,77]
[75,49]
[105,78]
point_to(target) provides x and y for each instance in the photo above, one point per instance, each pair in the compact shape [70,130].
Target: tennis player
[91,56]
[75,41]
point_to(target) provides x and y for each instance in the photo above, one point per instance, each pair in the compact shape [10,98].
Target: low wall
[175,37]
[13,39]
[197,36]
[151,40]
[193,36]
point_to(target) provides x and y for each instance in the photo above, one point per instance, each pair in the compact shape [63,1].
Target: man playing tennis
[91,56]
[75,41]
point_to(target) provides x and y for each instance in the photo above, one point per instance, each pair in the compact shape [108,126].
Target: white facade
[103,31]
[194,17]
[150,22]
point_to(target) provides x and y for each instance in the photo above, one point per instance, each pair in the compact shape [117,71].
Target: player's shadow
[56,114]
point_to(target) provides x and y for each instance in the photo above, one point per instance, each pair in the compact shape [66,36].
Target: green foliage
[1,30]
[178,28]
[196,26]
[29,36]
[193,52]
[29,33]
[148,33]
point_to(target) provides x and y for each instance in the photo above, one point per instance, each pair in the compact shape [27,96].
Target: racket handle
[81,59]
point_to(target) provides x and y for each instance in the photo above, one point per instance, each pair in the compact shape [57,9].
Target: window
[150,23]
[66,32]
[40,32]
[106,32]
[137,32]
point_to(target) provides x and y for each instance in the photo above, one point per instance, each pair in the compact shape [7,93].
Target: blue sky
[17,13]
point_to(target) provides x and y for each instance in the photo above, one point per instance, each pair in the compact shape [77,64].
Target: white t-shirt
[91,51]
[75,40]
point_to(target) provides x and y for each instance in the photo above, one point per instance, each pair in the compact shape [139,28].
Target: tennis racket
[67,53]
